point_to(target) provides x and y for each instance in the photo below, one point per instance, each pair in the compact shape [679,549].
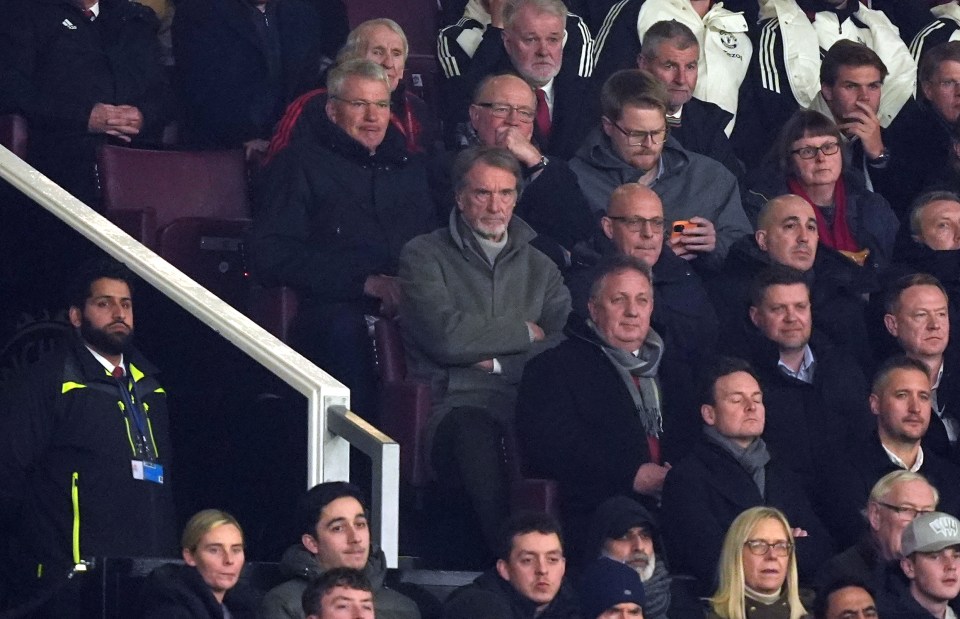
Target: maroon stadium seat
[405,406]
[13,134]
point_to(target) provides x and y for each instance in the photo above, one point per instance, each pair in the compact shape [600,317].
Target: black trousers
[468,451]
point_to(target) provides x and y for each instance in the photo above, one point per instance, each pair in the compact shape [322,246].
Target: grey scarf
[753,459]
[656,591]
[643,366]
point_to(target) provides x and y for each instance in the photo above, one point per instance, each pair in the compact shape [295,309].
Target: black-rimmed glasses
[809,152]
[761,547]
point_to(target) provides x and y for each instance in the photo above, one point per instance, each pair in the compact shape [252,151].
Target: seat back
[388,349]
[274,309]
[404,404]
[174,184]
[13,134]
[210,251]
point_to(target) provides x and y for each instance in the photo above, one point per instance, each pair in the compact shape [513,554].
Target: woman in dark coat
[206,587]
[807,160]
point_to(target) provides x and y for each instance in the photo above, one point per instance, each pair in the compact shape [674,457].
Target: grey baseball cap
[930,532]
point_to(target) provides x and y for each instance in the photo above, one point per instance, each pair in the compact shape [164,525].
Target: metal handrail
[331,428]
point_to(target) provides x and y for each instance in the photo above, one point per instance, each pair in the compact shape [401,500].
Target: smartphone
[678,228]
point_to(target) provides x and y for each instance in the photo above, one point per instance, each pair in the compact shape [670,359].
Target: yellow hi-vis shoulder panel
[70,386]
[136,373]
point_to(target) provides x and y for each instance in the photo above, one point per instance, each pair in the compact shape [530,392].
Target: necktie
[117,372]
[673,122]
[543,115]
[91,16]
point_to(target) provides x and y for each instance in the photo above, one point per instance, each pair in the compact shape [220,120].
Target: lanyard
[132,403]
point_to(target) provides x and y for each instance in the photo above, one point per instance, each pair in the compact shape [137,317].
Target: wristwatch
[537,166]
[880,160]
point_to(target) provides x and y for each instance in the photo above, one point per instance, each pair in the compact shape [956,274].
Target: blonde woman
[206,587]
[758,569]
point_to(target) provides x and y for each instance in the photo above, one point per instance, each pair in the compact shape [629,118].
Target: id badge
[147,471]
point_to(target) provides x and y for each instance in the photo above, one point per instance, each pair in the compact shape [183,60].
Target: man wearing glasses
[335,210]
[900,398]
[931,567]
[502,114]
[633,146]
[895,500]
[682,312]
[729,470]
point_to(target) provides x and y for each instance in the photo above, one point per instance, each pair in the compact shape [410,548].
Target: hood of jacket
[615,515]
[597,152]
[298,562]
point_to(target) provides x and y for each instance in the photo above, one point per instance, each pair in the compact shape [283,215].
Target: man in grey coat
[477,302]
[334,533]
[633,145]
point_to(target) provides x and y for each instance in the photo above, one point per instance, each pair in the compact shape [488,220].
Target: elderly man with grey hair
[383,42]
[334,212]
[539,40]
[478,302]
[927,582]
[896,499]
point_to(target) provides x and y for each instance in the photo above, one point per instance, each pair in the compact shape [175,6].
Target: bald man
[787,234]
[502,114]
[634,225]
[682,314]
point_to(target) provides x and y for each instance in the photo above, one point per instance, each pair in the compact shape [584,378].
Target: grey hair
[512,7]
[921,202]
[356,67]
[667,30]
[358,42]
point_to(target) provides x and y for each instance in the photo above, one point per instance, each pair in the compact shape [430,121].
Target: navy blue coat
[708,489]
[229,92]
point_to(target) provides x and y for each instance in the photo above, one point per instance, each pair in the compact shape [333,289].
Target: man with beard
[84,444]
[625,531]
[901,400]
[701,199]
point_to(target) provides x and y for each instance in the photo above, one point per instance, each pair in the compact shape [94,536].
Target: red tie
[89,14]
[543,115]
[118,372]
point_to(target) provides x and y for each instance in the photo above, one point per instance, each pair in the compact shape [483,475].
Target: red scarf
[408,125]
[838,236]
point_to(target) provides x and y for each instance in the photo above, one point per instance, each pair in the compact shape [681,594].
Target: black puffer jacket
[332,214]
[492,596]
[179,592]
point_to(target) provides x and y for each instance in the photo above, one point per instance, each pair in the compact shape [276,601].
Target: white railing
[331,427]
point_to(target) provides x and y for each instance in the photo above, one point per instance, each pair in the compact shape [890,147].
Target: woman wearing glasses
[758,569]
[807,160]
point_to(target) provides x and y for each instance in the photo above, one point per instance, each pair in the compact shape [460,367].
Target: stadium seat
[405,409]
[175,184]
[191,207]
[13,134]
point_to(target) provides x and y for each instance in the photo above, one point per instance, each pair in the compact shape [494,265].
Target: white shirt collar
[896,459]
[548,93]
[805,371]
[104,361]
[95,9]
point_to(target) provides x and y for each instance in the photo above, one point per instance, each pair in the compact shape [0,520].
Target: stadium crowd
[694,261]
